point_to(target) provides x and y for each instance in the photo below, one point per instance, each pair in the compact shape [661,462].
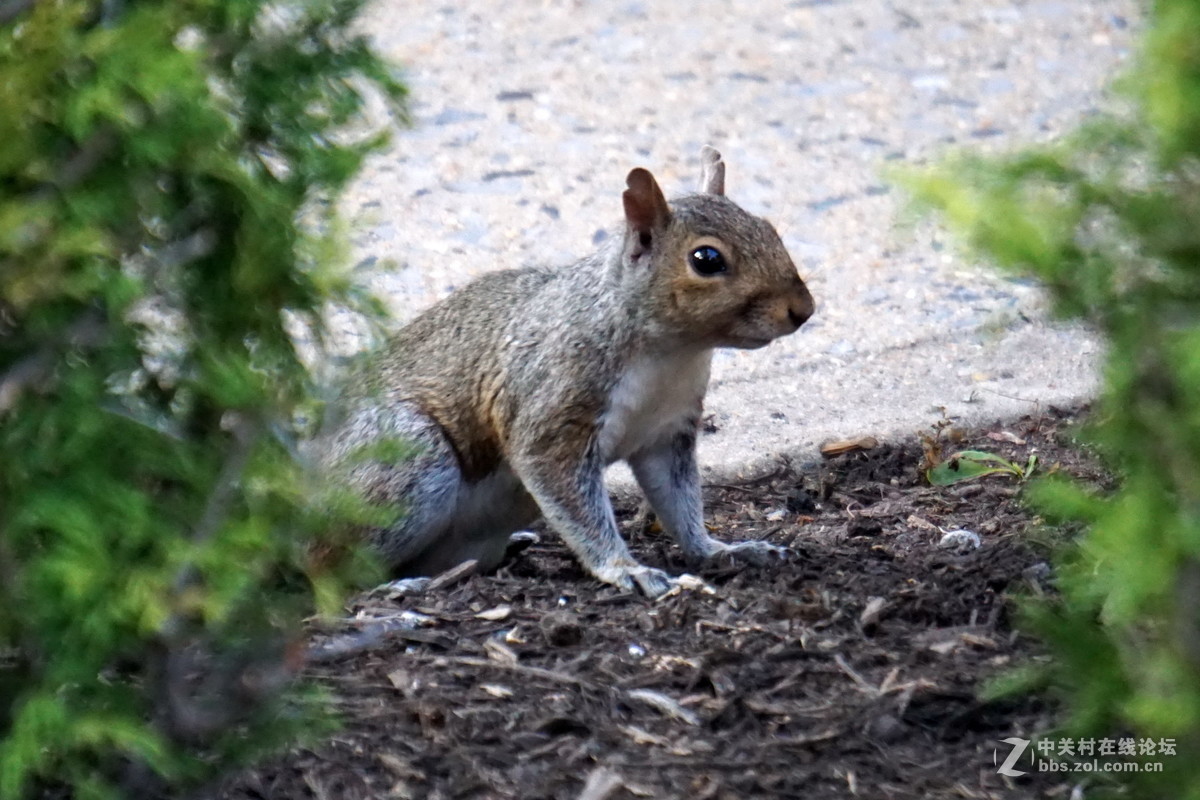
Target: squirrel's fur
[520,388]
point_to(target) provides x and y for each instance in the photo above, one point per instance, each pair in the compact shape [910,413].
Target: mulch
[853,669]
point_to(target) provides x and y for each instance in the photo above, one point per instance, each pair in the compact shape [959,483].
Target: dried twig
[369,636]
[812,738]
[861,682]
[245,435]
[664,705]
[533,672]
[453,575]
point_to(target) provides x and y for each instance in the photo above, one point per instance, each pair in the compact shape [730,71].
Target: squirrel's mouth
[749,342]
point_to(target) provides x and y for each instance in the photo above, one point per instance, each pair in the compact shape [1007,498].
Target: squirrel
[520,388]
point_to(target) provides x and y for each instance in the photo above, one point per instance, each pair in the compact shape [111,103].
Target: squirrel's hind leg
[422,485]
[442,519]
[486,514]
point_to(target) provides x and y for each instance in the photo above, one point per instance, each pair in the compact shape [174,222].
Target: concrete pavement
[529,113]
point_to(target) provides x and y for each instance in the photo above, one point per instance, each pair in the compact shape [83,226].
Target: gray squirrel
[520,388]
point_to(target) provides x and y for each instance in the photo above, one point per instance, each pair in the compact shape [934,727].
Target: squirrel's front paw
[649,581]
[759,554]
[652,582]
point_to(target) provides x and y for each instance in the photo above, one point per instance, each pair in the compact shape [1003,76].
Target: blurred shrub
[1109,220]
[167,171]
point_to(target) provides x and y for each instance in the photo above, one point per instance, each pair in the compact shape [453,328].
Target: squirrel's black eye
[707,260]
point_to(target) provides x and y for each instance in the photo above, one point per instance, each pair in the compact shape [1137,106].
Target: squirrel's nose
[800,307]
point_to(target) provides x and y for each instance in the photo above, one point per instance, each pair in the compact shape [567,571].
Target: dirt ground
[854,669]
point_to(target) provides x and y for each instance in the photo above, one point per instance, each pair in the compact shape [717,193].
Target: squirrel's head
[711,273]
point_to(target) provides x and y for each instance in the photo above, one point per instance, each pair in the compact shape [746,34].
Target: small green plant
[967,465]
[167,179]
[1107,219]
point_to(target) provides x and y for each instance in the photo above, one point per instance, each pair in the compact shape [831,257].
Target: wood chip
[400,767]
[914,521]
[453,575]
[688,582]
[843,446]
[664,704]
[403,680]
[495,614]
[873,611]
[982,642]
[640,736]
[499,652]
[601,783]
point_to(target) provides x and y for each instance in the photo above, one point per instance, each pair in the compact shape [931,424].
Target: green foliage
[968,465]
[1108,220]
[166,183]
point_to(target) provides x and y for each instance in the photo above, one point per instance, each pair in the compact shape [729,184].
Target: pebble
[961,541]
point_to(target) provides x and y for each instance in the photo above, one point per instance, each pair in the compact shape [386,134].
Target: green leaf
[969,465]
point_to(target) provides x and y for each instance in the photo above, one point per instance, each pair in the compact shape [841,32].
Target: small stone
[887,728]
[960,541]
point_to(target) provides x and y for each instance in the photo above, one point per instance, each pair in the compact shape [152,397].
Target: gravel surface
[529,114]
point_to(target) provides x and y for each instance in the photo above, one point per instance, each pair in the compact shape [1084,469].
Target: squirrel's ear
[645,209]
[712,171]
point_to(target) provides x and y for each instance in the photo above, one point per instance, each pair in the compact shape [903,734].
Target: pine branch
[11,9]
[87,331]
